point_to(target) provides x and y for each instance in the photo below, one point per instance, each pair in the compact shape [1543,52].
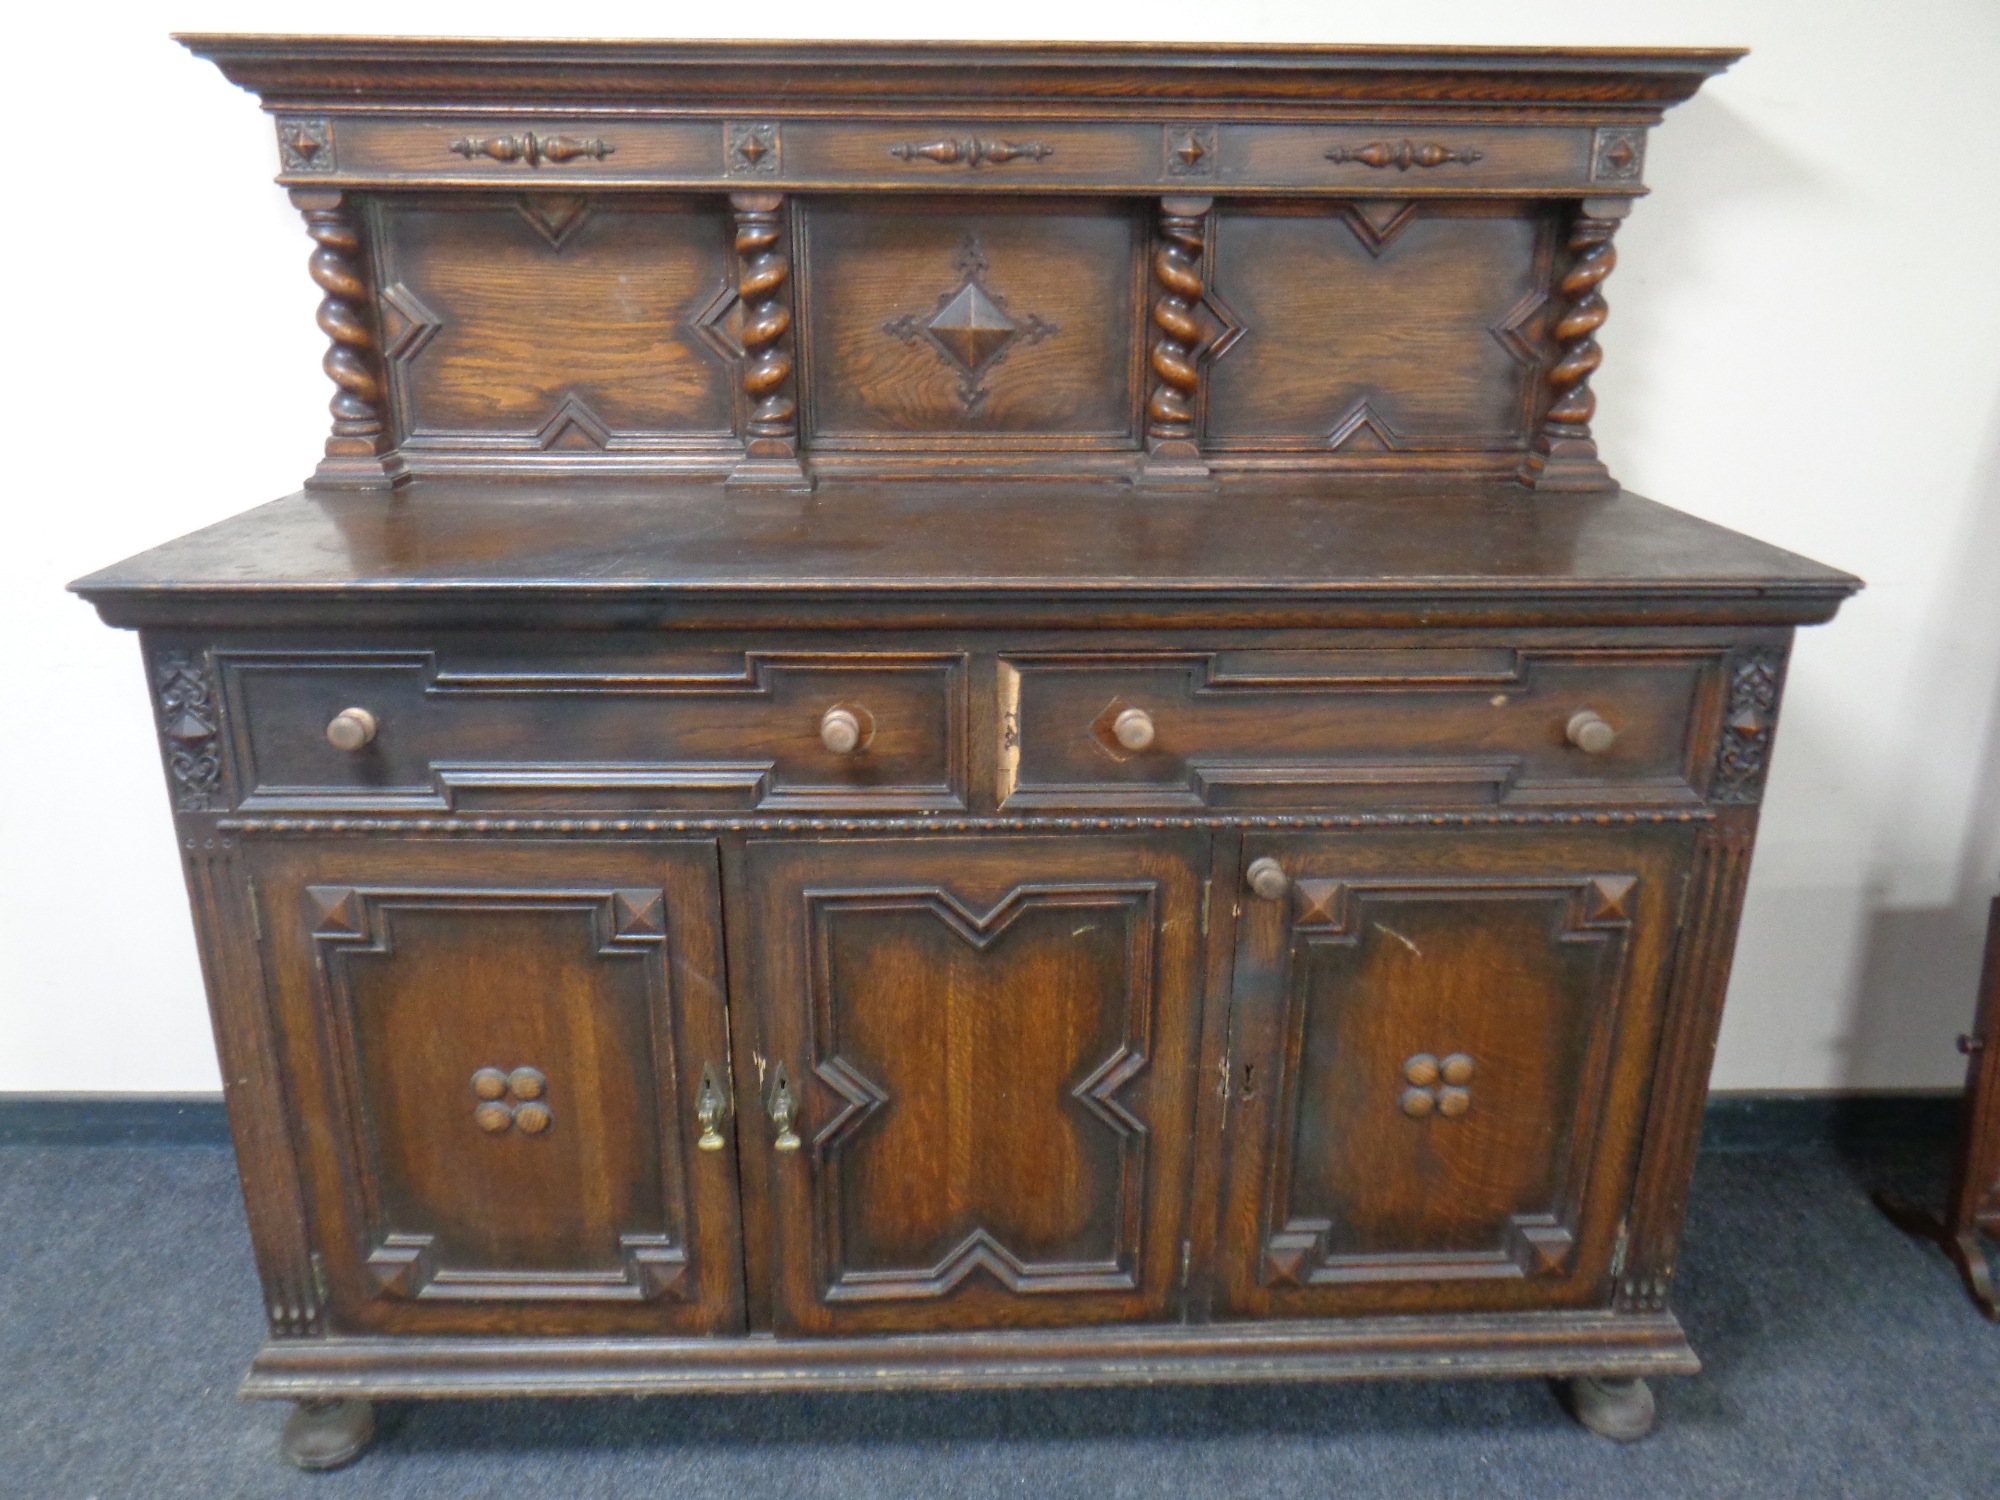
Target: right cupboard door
[1440,1052]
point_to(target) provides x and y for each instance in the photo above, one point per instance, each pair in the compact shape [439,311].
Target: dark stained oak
[1973,1206]
[952,715]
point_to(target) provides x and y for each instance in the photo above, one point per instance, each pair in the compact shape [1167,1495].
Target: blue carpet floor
[1842,1361]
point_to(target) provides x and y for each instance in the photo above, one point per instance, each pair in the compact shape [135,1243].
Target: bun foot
[328,1434]
[1621,1410]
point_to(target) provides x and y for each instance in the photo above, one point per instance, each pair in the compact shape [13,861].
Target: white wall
[1804,344]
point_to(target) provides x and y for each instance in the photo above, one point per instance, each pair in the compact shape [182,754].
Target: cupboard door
[1440,1050]
[976,1077]
[512,1063]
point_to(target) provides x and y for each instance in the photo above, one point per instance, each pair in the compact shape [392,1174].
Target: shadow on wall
[1920,967]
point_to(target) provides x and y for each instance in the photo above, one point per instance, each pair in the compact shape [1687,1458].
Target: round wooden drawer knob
[533,1118]
[493,1116]
[1422,1070]
[1418,1102]
[1267,878]
[840,731]
[1453,1102]
[1133,728]
[527,1083]
[1456,1069]
[350,729]
[1590,733]
[489,1083]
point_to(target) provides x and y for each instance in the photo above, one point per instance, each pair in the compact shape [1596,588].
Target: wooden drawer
[725,731]
[1353,728]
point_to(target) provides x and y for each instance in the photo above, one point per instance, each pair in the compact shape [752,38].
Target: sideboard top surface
[589,550]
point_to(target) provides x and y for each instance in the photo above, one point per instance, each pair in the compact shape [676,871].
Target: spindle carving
[764,286]
[971,153]
[357,449]
[1403,155]
[533,149]
[1564,456]
[1173,449]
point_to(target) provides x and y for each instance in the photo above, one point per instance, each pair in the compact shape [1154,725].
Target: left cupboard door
[510,1075]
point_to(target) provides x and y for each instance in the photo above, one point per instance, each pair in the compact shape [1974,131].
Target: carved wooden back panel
[1062,260]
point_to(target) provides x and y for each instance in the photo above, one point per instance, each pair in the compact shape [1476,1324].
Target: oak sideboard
[955,715]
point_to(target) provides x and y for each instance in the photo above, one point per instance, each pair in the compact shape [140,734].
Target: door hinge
[256,916]
[319,1278]
[1187,1261]
[1207,892]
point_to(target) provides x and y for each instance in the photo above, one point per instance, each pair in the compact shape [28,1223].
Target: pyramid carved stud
[1609,895]
[336,909]
[971,330]
[637,912]
[1318,903]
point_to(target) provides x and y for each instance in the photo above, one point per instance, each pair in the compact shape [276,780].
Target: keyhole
[1249,1085]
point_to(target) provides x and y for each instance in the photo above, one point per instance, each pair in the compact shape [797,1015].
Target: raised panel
[1006,1058]
[1446,1045]
[1383,1168]
[947,323]
[1379,328]
[989,1043]
[558,322]
[508,1051]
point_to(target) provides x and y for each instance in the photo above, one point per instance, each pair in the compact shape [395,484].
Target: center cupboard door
[512,1077]
[1440,1053]
[974,1078]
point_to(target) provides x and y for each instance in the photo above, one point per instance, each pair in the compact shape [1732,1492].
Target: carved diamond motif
[971,330]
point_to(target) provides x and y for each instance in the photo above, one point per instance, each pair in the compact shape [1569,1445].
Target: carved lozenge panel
[945,322]
[1380,328]
[1006,1062]
[558,321]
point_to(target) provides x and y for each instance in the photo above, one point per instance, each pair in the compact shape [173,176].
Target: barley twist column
[1173,450]
[764,285]
[1564,455]
[357,449]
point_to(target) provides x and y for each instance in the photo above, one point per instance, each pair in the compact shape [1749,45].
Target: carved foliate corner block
[1618,153]
[770,374]
[306,145]
[1564,457]
[1748,723]
[190,729]
[971,329]
[1189,150]
[358,452]
[752,150]
[1173,448]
